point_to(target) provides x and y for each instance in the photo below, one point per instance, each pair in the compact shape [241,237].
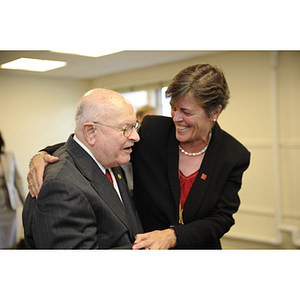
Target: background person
[144,111]
[12,195]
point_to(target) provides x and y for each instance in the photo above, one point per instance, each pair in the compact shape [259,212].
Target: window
[136,98]
[165,103]
[157,96]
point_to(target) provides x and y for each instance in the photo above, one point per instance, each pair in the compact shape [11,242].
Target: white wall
[35,112]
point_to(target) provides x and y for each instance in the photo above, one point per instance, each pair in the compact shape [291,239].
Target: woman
[187,170]
[12,195]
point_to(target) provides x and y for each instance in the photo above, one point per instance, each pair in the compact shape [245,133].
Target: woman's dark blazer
[213,198]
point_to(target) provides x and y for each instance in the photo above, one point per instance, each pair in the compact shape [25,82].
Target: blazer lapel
[202,181]
[98,180]
[5,167]
[173,167]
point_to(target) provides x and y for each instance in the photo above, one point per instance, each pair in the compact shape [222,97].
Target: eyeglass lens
[129,129]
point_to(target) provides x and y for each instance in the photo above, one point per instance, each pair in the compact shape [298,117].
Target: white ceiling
[82,67]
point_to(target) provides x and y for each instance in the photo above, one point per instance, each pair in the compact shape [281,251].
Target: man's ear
[89,133]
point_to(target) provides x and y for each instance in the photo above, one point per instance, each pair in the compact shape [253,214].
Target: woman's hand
[36,171]
[158,239]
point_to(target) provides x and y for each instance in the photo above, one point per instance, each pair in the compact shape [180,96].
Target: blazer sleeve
[63,218]
[205,232]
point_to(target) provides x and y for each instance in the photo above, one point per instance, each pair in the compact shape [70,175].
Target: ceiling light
[88,52]
[30,64]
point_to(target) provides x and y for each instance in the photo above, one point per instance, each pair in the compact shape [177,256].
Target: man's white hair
[87,110]
[92,104]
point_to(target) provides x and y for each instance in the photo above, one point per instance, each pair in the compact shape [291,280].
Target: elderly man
[84,202]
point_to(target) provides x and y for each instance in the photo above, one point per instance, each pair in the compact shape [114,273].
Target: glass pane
[165,103]
[136,98]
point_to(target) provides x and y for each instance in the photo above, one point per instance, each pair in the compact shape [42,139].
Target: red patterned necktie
[107,173]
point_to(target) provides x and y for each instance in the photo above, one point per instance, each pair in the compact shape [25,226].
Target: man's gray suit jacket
[78,207]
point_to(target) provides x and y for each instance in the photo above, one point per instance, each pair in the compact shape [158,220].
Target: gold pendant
[180,215]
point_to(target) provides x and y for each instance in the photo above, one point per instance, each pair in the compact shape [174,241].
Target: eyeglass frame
[136,126]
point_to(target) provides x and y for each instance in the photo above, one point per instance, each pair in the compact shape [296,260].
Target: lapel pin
[119,176]
[203,176]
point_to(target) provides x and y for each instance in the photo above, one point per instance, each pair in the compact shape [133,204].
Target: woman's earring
[215,120]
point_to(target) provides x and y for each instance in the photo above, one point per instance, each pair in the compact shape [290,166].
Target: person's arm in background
[37,166]
[18,181]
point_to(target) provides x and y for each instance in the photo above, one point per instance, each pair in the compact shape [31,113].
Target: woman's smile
[181,127]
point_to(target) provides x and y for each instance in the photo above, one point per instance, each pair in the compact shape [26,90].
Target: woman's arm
[37,166]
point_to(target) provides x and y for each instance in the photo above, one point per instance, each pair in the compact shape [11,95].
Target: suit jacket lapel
[202,181]
[134,224]
[98,180]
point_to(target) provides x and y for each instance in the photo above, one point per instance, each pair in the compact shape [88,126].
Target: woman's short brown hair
[202,83]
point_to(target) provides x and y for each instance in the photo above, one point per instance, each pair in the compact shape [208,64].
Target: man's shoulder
[62,167]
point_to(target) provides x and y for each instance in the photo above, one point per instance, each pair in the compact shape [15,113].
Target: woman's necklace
[195,154]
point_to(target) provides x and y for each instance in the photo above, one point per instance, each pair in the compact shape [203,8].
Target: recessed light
[30,64]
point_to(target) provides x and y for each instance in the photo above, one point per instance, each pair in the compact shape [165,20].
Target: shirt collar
[89,152]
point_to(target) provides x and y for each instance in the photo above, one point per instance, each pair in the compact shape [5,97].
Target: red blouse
[186,183]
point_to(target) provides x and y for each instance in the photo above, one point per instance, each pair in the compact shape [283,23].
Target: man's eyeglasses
[126,130]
